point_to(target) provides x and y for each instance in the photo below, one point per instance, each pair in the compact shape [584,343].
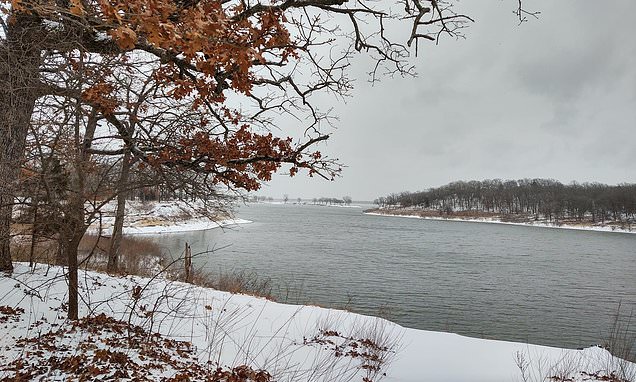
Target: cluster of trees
[103,100]
[544,198]
[262,198]
[346,200]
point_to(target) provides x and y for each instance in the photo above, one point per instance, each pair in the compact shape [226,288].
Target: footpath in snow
[204,328]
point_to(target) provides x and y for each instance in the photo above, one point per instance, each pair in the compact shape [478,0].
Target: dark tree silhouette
[536,198]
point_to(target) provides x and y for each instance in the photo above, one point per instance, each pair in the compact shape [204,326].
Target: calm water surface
[546,286]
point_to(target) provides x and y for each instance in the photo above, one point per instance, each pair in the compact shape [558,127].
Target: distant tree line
[541,198]
[261,198]
[346,200]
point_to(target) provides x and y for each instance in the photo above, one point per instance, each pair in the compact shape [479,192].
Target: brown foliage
[117,350]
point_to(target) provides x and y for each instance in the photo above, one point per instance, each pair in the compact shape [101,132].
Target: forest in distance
[532,198]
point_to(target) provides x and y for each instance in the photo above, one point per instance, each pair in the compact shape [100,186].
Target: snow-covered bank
[496,221]
[293,343]
[152,218]
[182,226]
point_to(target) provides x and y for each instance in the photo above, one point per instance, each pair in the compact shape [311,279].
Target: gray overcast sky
[552,98]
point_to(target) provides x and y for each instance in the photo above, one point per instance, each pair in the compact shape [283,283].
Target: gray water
[538,285]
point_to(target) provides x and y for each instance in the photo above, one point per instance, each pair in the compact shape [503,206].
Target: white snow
[189,225]
[239,329]
[153,218]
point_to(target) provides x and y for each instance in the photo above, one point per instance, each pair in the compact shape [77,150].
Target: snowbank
[293,343]
[182,226]
[153,218]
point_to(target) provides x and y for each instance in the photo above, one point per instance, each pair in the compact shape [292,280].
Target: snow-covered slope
[161,217]
[219,329]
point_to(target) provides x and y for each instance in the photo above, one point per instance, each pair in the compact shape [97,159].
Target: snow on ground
[495,221]
[292,343]
[181,226]
[161,217]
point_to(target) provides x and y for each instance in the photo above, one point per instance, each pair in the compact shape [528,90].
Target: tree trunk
[70,240]
[19,80]
[34,231]
[187,260]
[122,193]
[74,224]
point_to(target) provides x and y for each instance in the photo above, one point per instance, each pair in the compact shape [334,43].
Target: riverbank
[203,329]
[154,218]
[483,217]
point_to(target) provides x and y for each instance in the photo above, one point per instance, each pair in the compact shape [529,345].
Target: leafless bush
[43,251]
[138,256]
[574,366]
[621,343]
[369,345]
[243,282]
[567,367]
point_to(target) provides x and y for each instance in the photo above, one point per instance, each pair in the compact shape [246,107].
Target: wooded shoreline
[513,219]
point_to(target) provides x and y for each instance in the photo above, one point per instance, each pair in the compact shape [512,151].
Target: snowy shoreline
[184,226]
[301,336]
[495,221]
[156,218]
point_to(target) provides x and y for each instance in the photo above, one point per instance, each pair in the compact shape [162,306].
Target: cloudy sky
[552,98]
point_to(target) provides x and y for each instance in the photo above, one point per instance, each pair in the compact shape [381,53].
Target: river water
[529,284]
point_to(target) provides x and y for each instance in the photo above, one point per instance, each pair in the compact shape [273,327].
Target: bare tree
[253,53]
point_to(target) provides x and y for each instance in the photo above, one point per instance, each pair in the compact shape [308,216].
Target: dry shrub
[612,366]
[44,251]
[371,345]
[137,256]
[621,343]
[243,282]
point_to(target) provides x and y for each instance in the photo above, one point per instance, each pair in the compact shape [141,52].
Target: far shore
[476,217]
[304,203]
[197,224]
[156,218]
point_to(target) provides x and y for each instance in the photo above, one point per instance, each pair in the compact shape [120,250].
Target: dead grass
[138,256]
[240,282]
[621,342]
[615,365]
[143,257]
[151,222]
[44,251]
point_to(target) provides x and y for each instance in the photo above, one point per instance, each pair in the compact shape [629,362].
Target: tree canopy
[192,90]
[535,197]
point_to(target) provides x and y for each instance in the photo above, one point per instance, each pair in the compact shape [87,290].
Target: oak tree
[240,66]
